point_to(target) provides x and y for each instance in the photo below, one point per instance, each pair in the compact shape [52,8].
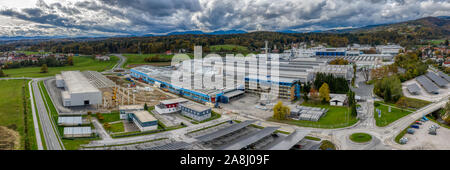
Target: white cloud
[107,17]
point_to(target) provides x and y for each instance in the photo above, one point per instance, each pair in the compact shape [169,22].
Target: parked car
[418,123]
[415,126]
[410,131]
[435,126]
[432,132]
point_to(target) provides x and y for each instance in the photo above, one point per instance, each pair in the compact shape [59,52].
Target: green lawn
[139,59]
[436,42]
[336,117]
[416,103]
[117,127]
[312,138]
[80,63]
[360,137]
[228,47]
[110,117]
[386,116]
[32,52]
[327,145]
[15,111]
[74,144]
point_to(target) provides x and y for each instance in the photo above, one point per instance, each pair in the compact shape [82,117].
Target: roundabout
[360,137]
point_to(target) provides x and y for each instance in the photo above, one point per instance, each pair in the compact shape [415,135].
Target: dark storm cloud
[161,16]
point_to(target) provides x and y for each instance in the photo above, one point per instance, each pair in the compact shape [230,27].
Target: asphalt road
[51,138]
[35,120]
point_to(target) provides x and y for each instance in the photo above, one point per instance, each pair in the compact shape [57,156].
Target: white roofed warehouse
[144,120]
[78,91]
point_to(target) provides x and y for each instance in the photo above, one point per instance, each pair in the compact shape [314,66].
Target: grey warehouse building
[78,91]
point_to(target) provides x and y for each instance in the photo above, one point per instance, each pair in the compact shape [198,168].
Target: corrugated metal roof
[171,146]
[250,139]
[443,75]
[77,130]
[437,79]
[427,84]
[70,120]
[413,88]
[225,131]
[289,141]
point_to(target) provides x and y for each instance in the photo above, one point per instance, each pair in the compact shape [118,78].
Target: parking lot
[421,140]
[424,95]
[138,146]
[249,104]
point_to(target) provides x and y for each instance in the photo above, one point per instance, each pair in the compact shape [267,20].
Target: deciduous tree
[44,68]
[324,93]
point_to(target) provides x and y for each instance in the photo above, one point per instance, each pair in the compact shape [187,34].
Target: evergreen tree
[387,95]
[145,106]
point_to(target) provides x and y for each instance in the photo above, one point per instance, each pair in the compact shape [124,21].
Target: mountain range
[428,26]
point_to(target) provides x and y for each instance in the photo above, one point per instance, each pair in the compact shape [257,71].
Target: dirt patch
[142,96]
[9,139]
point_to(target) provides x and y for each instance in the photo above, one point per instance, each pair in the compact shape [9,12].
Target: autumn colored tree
[107,126]
[281,112]
[2,74]
[402,103]
[44,68]
[313,94]
[324,93]
[70,61]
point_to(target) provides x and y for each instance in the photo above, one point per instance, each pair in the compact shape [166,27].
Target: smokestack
[266,48]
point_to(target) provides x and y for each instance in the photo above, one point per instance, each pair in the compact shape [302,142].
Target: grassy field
[117,127]
[110,117]
[386,116]
[336,117]
[227,47]
[138,59]
[80,63]
[416,103]
[15,111]
[360,137]
[32,52]
[436,42]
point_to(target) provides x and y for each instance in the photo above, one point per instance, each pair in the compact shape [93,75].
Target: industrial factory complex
[224,103]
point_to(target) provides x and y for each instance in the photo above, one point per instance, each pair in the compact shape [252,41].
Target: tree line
[49,61]
[336,84]
[253,41]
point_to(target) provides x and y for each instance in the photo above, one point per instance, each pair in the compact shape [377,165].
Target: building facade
[195,111]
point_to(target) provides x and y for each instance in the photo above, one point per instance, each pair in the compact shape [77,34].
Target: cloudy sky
[137,17]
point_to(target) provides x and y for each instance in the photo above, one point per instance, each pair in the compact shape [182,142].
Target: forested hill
[429,27]
[406,34]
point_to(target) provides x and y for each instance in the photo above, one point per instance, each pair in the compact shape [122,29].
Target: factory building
[160,77]
[195,111]
[78,91]
[143,120]
[288,76]
[77,132]
[124,110]
[389,49]
[345,71]
[169,106]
